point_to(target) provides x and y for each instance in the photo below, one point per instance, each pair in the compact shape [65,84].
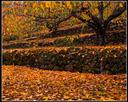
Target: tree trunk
[101,36]
[97,37]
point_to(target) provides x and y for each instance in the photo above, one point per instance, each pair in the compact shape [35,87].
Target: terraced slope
[113,38]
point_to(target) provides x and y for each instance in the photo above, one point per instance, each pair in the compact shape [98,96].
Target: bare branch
[94,18]
[100,9]
[117,12]
[116,7]
[92,25]
[64,19]
[89,13]
[79,17]
[37,17]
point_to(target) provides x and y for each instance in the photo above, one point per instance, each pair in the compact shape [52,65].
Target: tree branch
[92,25]
[37,17]
[106,5]
[79,17]
[117,12]
[89,13]
[100,9]
[64,19]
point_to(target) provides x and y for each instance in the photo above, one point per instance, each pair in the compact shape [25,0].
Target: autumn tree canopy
[26,17]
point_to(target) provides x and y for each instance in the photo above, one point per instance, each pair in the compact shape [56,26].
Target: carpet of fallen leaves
[24,83]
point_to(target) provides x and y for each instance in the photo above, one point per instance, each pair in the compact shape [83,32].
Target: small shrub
[10,37]
[67,41]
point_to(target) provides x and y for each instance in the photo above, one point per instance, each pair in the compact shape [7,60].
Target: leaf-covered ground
[24,83]
[65,48]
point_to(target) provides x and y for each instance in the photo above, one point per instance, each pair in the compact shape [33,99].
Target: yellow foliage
[47,4]
[121,5]
[84,4]
[61,4]
[34,5]
[96,11]
[25,11]
[68,4]
[7,29]
[7,2]
[42,5]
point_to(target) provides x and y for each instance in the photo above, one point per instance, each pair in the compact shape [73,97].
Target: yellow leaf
[85,4]
[121,5]
[42,6]
[69,4]
[47,4]
[7,29]
[66,97]
[96,11]
[25,11]
[45,98]
[34,5]
[61,4]
[115,56]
